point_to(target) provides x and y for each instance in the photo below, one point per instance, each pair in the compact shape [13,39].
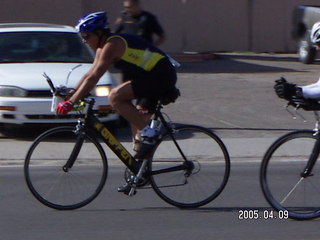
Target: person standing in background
[135,20]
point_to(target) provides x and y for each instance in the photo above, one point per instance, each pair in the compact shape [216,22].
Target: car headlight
[102,91]
[11,91]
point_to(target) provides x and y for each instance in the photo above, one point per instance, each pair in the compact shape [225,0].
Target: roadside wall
[191,25]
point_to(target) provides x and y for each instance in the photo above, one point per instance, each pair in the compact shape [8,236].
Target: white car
[26,52]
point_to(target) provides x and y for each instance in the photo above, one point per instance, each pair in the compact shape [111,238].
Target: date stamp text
[255,214]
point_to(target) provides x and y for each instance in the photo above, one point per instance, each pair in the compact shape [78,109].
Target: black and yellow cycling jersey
[139,54]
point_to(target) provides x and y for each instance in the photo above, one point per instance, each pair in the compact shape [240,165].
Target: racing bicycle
[290,171]
[66,167]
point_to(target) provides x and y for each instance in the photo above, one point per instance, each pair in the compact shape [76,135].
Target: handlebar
[304,103]
[53,89]
[63,92]
[60,91]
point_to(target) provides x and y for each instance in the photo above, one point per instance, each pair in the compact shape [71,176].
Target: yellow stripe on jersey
[144,59]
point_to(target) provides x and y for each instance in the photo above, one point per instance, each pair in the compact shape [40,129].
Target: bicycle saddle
[170,97]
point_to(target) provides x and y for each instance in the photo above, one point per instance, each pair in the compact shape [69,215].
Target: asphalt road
[231,94]
[145,216]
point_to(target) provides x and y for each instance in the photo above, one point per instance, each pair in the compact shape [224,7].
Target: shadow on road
[225,63]
[169,208]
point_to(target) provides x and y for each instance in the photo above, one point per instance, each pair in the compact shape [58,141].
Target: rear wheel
[196,175]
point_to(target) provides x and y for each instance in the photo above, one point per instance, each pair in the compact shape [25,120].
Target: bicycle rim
[209,162]
[280,176]
[50,183]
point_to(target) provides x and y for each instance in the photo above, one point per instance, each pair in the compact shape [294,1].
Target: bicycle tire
[209,176]
[45,175]
[280,176]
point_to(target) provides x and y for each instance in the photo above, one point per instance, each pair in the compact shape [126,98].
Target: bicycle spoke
[291,191]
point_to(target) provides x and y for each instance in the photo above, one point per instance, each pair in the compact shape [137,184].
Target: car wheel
[307,52]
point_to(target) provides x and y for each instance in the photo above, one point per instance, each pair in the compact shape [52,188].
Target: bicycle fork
[315,151]
[74,154]
[312,159]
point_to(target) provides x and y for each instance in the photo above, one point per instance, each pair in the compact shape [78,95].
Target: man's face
[131,8]
[90,39]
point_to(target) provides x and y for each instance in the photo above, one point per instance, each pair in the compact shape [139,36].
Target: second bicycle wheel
[207,158]
[57,186]
[281,176]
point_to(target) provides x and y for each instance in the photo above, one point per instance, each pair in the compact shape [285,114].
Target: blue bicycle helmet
[92,21]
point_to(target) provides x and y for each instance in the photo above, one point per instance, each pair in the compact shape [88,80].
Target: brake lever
[295,113]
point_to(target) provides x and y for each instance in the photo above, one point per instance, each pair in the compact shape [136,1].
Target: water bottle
[55,101]
[60,89]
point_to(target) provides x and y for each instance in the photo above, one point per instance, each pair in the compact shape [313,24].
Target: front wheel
[65,169]
[192,172]
[281,179]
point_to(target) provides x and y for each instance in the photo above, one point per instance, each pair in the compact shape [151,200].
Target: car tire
[307,52]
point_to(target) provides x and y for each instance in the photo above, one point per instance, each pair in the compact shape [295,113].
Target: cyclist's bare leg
[142,111]
[120,98]
[145,115]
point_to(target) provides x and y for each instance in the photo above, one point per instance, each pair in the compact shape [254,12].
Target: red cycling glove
[64,107]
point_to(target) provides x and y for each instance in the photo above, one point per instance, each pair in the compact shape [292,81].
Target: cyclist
[154,77]
[135,20]
[288,90]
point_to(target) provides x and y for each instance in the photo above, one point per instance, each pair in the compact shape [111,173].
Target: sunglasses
[85,36]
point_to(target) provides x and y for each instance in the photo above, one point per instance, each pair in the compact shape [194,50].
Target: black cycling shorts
[149,87]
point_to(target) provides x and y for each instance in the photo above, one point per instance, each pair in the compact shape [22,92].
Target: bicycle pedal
[132,192]
[128,189]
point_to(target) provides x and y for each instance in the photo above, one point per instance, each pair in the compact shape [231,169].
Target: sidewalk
[240,149]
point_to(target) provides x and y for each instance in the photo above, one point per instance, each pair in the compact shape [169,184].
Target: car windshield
[43,47]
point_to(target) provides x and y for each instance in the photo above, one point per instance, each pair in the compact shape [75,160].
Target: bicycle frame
[93,123]
[121,152]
